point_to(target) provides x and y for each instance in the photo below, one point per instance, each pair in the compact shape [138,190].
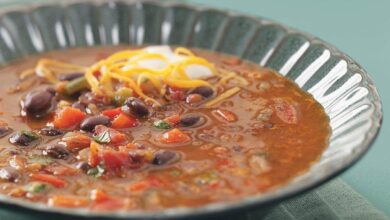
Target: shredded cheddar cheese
[223,96]
[131,68]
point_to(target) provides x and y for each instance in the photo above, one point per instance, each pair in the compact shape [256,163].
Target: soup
[119,128]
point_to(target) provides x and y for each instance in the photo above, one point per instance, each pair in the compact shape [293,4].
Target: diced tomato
[115,160]
[68,117]
[53,180]
[286,111]
[68,201]
[174,136]
[177,94]
[174,119]
[124,121]
[77,142]
[226,115]
[94,158]
[112,113]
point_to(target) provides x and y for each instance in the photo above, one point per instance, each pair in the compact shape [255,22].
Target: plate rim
[247,203]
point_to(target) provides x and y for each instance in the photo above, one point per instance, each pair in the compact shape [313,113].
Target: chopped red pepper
[145,184]
[174,136]
[124,121]
[103,201]
[61,170]
[53,180]
[112,113]
[226,115]
[68,117]
[174,119]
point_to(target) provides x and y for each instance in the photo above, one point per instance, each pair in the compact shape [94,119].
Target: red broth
[182,153]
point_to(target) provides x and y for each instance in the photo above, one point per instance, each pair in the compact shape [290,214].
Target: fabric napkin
[334,200]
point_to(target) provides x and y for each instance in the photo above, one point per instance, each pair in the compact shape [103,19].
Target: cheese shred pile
[125,67]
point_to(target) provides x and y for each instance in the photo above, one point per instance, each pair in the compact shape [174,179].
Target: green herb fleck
[36,187]
[103,138]
[30,134]
[160,124]
[97,171]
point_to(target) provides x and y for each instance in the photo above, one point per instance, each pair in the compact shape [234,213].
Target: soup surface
[150,129]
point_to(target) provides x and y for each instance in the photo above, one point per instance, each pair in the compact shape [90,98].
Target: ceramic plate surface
[336,81]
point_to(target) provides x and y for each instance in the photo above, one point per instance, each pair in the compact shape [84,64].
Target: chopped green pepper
[30,134]
[76,85]
[161,124]
[36,187]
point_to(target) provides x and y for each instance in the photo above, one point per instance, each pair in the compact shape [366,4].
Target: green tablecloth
[362,29]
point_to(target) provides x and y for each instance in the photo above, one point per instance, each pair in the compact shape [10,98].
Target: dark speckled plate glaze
[336,81]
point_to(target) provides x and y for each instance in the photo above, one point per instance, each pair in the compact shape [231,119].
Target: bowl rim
[263,200]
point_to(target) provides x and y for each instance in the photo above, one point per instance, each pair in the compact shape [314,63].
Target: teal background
[360,28]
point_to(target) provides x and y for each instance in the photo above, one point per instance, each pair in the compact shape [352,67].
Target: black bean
[189,120]
[50,131]
[57,151]
[9,174]
[136,107]
[69,76]
[89,123]
[204,91]
[84,166]
[38,103]
[165,157]
[4,131]
[23,138]
[51,90]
